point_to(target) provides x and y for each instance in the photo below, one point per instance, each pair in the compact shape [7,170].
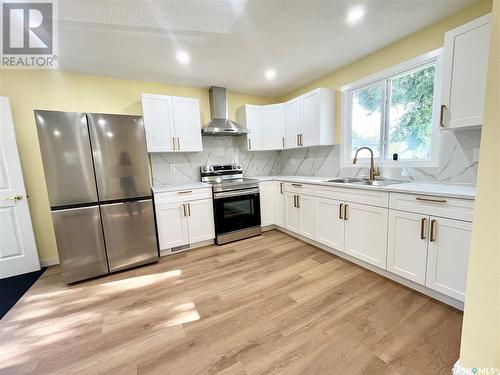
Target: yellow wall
[55,90]
[481,326]
[425,40]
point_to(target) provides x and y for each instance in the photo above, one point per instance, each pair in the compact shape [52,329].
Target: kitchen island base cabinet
[366,233]
[407,245]
[329,222]
[448,256]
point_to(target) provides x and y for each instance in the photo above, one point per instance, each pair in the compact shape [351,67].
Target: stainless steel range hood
[220,124]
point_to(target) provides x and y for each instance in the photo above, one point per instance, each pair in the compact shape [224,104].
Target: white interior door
[18,252]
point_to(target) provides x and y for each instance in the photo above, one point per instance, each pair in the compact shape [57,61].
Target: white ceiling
[232,43]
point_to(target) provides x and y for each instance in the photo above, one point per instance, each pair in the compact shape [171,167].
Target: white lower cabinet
[366,233]
[306,213]
[184,222]
[292,214]
[407,245]
[329,228]
[172,225]
[200,220]
[448,256]
[279,203]
[267,202]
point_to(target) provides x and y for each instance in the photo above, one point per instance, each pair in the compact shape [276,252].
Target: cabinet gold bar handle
[441,116]
[423,224]
[281,187]
[189,209]
[184,192]
[173,143]
[431,200]
[178,144]
[298,139]
[295,204]
[301,139]
[283,141]
[341,206]
[298,201]
[433,230]
[298,185]
[345,211]
[184,209]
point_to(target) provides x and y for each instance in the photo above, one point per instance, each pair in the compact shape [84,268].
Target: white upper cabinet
[250,116]
[308,120]
[187,124]
[465,64]
[293,122]
[172,123]
[273,126]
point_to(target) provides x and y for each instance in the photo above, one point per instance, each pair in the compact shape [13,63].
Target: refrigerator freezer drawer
[120,156]
[129,230]
[80,243]
[67,157]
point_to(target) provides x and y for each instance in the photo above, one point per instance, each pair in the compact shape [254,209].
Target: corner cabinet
[306,121]
[172,123]
[465,65]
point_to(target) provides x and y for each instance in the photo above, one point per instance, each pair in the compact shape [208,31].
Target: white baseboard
[410,284]
[49,262]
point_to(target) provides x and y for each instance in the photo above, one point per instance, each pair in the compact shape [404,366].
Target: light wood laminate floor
[266,305]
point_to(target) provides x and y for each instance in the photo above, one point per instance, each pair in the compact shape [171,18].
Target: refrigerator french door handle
[77,208]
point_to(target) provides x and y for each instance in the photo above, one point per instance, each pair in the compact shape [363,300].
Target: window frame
[384,78]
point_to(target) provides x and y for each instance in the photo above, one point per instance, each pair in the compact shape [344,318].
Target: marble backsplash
[456,162]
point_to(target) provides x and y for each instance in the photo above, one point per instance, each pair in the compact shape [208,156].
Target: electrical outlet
[171,167]
[475,154]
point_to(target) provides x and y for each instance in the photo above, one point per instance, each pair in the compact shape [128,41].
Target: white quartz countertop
[180,186]
[463,191]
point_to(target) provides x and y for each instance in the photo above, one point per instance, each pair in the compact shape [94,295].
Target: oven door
[236,210]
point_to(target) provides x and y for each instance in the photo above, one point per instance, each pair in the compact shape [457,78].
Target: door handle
[441,116]
[423,224]
[173,143]
[189,209]
[14,198]
[341,206]
[178,143]
[345,211]
[433,231]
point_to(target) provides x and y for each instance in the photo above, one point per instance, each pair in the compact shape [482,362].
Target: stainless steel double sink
[366,181]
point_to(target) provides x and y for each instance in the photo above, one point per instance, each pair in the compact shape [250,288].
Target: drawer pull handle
[341,206]
[423,224]
[184,192]
[433,231]
[431,200]
[298,185]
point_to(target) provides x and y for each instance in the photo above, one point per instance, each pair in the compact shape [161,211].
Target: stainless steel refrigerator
[97,176]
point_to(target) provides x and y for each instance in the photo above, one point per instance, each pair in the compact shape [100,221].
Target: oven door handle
[236,193]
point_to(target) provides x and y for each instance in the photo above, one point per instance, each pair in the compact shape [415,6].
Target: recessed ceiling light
[183,57]
[355,15]
[270,73]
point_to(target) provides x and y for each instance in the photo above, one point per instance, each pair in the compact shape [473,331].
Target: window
[394,113]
